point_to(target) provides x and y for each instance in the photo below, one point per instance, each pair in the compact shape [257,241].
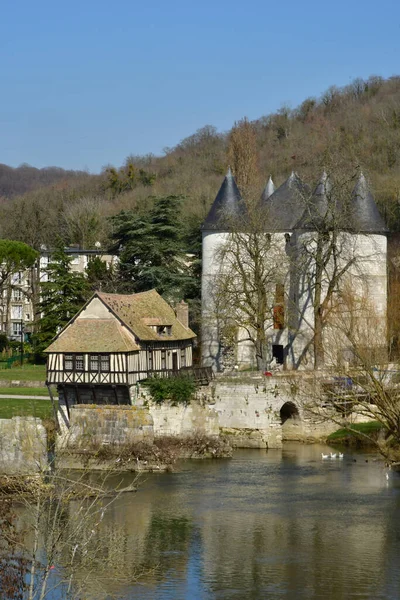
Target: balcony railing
[201,375]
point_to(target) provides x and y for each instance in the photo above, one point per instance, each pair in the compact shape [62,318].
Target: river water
[264,525]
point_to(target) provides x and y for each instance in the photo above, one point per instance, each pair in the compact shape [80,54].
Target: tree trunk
[319,355]
[261,350]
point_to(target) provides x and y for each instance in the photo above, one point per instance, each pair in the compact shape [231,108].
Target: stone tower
[293,217]
[227,206]
[359,255]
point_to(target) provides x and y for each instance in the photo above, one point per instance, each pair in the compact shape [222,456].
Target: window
[278,353]
[99,362]
[94,362]
[17,295]
[68,362]
[163,359]
[17,329]
[16,278]
[164,330]
[104,363]
[79,362]
[27,317]
[149,360]
[279,306]
[183,357]
[16,311]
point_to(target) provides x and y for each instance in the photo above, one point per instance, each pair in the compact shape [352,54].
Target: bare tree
[247,287]
[66,545]
[328,252]
[243,155]
[365,387]
[85,222]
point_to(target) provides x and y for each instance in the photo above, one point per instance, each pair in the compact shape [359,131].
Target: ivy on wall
[177,390]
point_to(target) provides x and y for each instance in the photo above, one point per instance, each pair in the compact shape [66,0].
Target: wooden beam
[66,403]
[55,412]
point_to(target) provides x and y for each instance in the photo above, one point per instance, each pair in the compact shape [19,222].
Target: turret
[268,190]
[321,210]
[285,206]
[227,211]
[365,216]
[227,206]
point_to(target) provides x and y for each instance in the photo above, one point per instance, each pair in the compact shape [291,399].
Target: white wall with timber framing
[118,368]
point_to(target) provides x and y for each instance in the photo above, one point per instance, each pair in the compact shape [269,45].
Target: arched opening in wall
[289,411]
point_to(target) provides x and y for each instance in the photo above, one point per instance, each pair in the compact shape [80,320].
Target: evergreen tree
[153,250]
[62,294]
[100,275]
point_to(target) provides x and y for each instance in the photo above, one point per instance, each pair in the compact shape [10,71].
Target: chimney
[182,312]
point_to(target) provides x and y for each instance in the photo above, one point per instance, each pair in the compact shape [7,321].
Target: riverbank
[160,455]
[362,435]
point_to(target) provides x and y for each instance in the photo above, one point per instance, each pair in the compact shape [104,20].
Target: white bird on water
[333,455]
[341,455]
[324,456]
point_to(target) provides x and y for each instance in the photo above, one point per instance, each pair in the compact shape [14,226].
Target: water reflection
[279,525]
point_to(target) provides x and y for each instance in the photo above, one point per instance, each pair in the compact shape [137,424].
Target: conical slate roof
[321,210]
[227,206]
[285,206]
[324,212]
[268,190]
[365,216]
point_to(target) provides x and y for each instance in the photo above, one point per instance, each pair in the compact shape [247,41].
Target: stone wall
[252,411]
[93,425]
[248,411]
[183,420]
[23,446]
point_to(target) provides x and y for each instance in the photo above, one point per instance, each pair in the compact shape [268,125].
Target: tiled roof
[135,310]
[94,335]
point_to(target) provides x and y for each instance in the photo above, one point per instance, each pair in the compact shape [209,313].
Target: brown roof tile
[137,309]
[94,335]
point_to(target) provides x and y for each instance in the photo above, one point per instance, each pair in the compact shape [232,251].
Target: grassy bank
[15,407]
[24,391]
[356,437]
[24,373]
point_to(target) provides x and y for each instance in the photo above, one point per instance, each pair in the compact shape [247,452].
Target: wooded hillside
[358,125]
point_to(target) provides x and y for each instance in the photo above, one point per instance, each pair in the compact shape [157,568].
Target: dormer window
[164,330]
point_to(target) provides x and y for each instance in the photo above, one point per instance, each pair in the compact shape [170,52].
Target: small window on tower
[279,306]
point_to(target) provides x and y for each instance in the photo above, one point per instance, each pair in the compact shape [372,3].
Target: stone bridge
[263,411]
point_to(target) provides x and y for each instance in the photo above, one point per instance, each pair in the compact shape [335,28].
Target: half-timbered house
[113,342]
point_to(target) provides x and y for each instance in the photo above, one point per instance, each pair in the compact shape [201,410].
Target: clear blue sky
[85,83]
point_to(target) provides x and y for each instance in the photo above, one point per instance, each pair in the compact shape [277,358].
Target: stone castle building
[324,242]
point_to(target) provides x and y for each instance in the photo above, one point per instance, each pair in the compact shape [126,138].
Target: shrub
[178,390]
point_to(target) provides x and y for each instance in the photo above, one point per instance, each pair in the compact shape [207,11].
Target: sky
[86,83]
